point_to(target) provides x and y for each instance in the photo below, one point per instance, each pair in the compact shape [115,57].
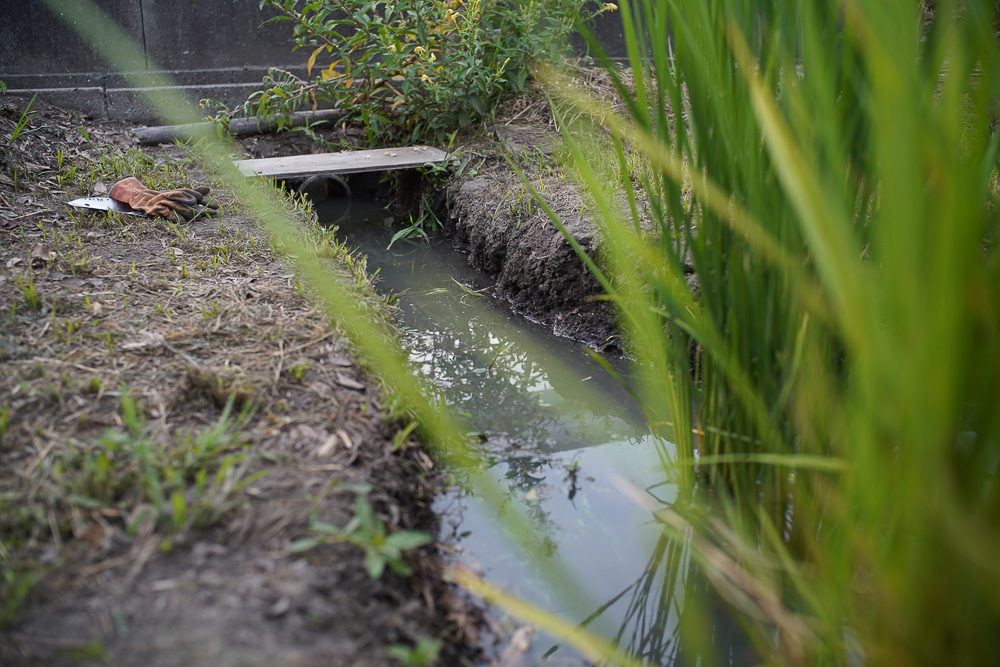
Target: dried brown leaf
[40,256]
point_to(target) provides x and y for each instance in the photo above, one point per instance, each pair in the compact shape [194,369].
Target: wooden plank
[346,162]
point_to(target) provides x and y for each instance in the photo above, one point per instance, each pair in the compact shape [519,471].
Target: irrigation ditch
[502,318]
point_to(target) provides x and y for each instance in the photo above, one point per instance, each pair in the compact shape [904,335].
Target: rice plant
[827,171]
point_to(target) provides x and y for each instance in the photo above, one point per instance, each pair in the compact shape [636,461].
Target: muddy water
[564,438]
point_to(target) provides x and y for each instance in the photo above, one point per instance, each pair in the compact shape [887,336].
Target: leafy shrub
[420,68]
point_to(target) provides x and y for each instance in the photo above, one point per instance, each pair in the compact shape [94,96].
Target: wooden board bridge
[346,162]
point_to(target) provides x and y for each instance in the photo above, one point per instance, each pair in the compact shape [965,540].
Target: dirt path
[173,413]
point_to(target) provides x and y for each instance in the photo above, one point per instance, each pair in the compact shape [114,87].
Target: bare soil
[100,311]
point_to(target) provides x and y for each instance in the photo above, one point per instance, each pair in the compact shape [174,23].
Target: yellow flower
[420,51]
[433,57]
[392,47]
[610,7]
[424,77]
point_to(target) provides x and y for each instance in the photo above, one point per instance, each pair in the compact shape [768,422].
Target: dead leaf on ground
[327,448]
[339,361]
[40,256]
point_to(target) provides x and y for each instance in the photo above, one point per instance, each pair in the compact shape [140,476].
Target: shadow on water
[559,434]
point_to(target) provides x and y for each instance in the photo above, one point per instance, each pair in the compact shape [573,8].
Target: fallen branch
[165,134]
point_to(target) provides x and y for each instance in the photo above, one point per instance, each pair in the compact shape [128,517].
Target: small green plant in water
[367,532]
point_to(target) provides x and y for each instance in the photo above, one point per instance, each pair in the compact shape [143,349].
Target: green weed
[298,370]
[414,230]
[213,312]
[22,122]
[367,532]
[188,482]
[4,423]
[14,586]
[29,291]
[400,439]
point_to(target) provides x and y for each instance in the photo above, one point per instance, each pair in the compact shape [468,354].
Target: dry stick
[281,360]
[305,345]
[523,111]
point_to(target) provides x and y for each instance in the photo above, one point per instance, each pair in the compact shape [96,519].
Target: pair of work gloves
[181,205]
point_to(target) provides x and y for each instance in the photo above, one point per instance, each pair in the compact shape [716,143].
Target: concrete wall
[211,48]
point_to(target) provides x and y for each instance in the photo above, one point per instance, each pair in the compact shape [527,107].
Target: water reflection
[504,374]
[561,437]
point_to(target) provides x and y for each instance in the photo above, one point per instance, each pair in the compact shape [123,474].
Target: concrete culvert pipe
[330,194]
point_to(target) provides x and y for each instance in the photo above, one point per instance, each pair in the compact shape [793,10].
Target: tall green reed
[827,171]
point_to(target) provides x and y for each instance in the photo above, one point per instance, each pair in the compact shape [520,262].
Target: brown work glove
[182,204]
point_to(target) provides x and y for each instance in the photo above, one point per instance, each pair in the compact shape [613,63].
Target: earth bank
[135,529]
[535,269]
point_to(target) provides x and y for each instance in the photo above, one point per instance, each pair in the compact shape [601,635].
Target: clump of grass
[425,652]
[23,121]
[29,290]
[187,483]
